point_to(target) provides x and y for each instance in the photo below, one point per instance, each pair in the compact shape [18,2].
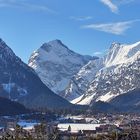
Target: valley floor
[68,127]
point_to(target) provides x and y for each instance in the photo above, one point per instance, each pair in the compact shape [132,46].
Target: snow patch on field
[27,125]
[77,127]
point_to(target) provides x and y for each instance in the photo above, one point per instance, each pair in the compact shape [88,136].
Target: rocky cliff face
[117,73]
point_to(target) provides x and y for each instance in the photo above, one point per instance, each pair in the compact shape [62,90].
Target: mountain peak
[115,45]
[55,41]
[5,50]
[54,44]
[1,40]
[122,53]
[119,45]
[2,43]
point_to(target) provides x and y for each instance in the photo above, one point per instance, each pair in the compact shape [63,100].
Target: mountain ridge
[87,80]
[118,70]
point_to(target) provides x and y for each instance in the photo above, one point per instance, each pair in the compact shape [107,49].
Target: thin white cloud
[117,28]
[82,18]
[114,5]
[110,5]
[98,53]
[24,4]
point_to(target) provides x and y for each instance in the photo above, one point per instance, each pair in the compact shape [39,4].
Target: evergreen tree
[69,128]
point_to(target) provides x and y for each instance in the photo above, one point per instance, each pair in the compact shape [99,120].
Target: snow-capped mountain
[19,82]
[56,65]
[103,79]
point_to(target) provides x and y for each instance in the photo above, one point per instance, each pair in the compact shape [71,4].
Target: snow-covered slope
[117,73]
[80,82]
[56,64]
[122,54]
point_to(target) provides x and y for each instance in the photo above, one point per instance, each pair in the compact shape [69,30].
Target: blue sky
[85,26]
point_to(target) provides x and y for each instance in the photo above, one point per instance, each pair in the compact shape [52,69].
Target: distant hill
[104,107]
[8,107]
[128,102]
